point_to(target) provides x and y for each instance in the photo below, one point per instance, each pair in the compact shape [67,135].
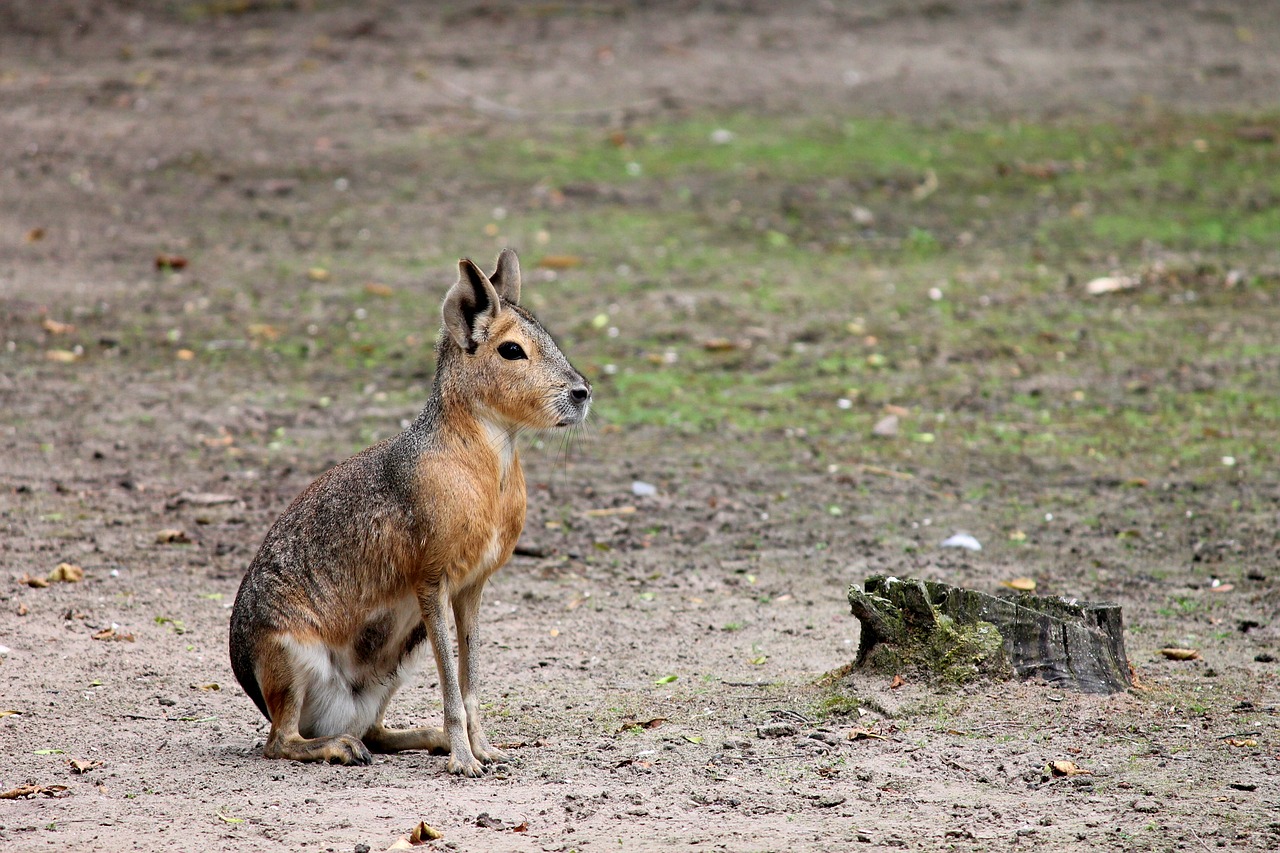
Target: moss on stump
[955,635]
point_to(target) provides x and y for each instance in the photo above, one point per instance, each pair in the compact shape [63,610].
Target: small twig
[738,759]
[748,683]
[1240,734]
[795,715]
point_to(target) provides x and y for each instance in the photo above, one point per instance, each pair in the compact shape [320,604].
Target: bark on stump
[958,635]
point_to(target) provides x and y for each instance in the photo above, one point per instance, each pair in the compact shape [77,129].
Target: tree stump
[958,635]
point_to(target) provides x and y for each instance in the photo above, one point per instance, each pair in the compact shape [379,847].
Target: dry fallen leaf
[66,573]
[1110,284]
[264,332]
[22,609]
[1181,654]
[112,634]
[607,511]
[374,288]
[318,274]
[422,833]
[4,714]
[38,583]
[170,262]
[61,356]
[521,827]
[185,354]
[635,725]
[24,791]
[897,682]
[1068,768]
[865,734]
[211,686]
[1241,741]
[721,345]
[35,235]
[1020,584]
[80,768]
[53,327]
[172,536]
[559,262]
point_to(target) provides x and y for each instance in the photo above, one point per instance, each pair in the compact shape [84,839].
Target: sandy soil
[728,563]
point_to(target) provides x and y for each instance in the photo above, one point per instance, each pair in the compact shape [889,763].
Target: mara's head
[499,358]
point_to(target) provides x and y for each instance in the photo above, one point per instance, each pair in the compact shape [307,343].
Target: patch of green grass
[797,277]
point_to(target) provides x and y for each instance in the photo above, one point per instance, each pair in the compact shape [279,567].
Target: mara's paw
[467,765]
[347,749]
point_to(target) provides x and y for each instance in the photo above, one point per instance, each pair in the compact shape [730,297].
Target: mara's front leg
[461,759]
[466,615]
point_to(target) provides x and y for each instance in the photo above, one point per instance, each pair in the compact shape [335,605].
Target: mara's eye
[511,351]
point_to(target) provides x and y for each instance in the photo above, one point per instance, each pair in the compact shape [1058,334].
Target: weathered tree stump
[958,635]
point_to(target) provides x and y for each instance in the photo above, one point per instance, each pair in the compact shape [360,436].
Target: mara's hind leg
[284,689]
[379,738]
[466,612]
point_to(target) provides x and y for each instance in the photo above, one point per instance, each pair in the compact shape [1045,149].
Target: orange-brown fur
[366,563]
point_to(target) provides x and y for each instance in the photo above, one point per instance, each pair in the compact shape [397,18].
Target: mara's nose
[581,393]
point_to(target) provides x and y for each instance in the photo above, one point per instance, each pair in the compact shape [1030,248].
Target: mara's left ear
[506,276]
[470,306]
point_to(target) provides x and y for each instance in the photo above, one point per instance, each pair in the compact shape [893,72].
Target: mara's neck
[461,425]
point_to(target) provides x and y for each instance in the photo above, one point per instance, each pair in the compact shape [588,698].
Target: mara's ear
[470,306]
[506,276]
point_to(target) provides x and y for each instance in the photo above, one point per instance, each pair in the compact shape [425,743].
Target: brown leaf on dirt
[165,261]
[375,288]
[23,792]
[1020,584]
[722,345]
[636,725]
[209,687]
[4,714]
[38,583]
[318,274]
[865,734]
[1181,654]
[422,833]
[897,682]
[172,536]
[113,635]
[608,511]
[560,262]
[900,411]
[22,609]
[35,235]
[80,768]
[53,327]
[222,439]
[264,332]
[1242,741]
[1067,768]
[523,826]
[66,573]
[61,356]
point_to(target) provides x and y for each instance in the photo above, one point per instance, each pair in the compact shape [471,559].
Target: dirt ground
[702,578]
